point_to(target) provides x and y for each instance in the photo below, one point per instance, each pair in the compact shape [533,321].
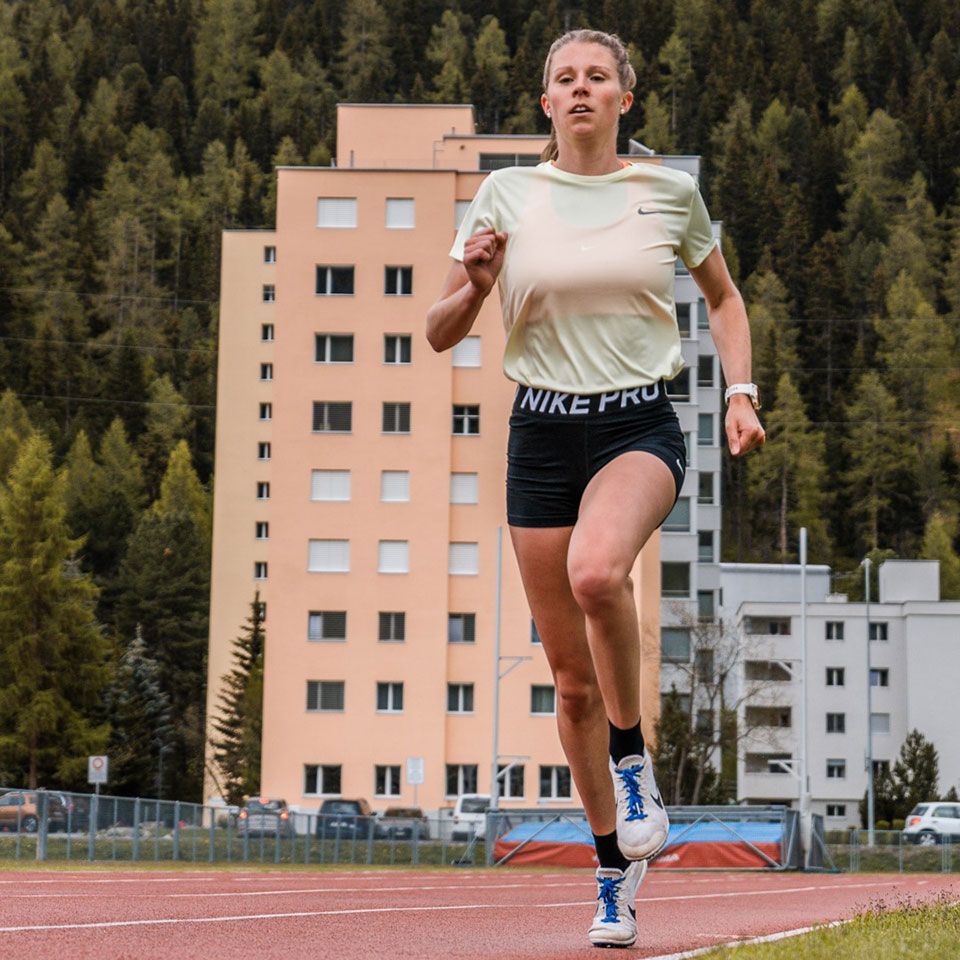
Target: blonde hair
[625,71]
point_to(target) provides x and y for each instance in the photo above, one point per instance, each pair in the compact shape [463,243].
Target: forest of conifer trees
[132,132]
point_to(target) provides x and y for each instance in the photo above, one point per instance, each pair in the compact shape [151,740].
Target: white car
[470,816]
[929,822]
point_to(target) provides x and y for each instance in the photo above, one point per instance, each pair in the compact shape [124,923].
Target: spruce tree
[938,545]
[52,659]
[916,772]
[239,723]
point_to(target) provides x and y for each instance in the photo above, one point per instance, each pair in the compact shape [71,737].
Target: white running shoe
[615,922]
[642,824]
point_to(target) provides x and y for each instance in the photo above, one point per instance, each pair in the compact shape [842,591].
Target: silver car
[928,823]
[261,815]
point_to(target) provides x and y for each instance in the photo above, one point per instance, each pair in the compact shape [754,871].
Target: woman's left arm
[731,333]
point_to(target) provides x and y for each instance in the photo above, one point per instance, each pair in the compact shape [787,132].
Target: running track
[462,915]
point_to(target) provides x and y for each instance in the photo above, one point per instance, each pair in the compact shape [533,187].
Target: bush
[882,825]
[897,824]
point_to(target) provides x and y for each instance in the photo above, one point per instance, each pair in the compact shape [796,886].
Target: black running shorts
[559,441]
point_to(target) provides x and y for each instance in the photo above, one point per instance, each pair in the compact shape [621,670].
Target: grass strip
[918,931]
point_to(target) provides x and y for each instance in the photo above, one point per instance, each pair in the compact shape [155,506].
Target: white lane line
[769,938]
[206,878]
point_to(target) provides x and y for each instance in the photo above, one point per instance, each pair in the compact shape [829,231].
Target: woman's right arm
[467,285]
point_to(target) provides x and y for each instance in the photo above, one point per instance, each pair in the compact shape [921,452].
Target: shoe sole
[644,856]
[613,943]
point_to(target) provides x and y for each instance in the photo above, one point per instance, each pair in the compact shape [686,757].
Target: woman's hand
[744,432]
[483,258]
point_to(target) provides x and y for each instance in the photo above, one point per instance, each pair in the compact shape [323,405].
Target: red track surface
[496,915]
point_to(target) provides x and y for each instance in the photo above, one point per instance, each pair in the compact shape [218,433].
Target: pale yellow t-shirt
[587,285]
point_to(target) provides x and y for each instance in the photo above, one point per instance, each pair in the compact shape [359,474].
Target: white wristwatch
[750,389]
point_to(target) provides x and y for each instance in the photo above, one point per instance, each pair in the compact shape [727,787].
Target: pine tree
[52,660]
[141,721]
[449,51]
[916,772]
[938,545]
[224,51]
[239,724]
[489,87]
[364,56]
[656,130]
[15,427]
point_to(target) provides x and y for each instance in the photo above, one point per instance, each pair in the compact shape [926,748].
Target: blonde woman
[583,247]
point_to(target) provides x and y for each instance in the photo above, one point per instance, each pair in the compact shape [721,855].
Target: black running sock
[608,853]
[625,743]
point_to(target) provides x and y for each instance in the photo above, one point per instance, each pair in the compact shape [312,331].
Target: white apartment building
[914,662]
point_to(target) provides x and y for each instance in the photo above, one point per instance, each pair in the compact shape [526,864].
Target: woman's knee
[596,583]
[578,698]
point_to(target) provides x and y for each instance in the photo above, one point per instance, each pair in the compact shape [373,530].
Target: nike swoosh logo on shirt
[642,212]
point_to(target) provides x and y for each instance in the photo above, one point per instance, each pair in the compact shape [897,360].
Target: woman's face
[583,94]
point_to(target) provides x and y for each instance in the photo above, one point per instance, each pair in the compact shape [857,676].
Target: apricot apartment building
[360,486]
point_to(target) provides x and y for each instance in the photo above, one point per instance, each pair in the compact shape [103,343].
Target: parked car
[345,818]
[261,815]
[470,816]
[19,807]
[401,823]
[928,823]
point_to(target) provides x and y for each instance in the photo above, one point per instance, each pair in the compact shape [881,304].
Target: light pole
[866,575]
[804,760]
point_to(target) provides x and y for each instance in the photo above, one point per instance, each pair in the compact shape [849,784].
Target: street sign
[97,769]
[415,771]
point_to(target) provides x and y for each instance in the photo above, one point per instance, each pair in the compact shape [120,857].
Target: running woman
[583,248]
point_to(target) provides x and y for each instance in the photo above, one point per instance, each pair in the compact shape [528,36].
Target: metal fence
[46,825]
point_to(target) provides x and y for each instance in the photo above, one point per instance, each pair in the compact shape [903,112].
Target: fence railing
[47,825]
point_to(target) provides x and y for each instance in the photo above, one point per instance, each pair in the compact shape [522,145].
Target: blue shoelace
[634,797]
[609,889]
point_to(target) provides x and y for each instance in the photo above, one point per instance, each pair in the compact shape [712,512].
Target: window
[767,627]
[460,208]
[396,418]
[879,722]
[554,783]
[679,387]
[330,485]
[683,701]
[878,631]
[398,281]
[534,633]
[269,254]
[459,698]
[392,626]
[687,447]
[674,579]
[703,665]
[327,625]
[337,212]
[705,430]
[461,778]
[461,628]
[266,332]
[266,411]
[880,677]
[400,213]
[389,698]
[836,810]
[330,417]
[325,695]
[386,781]
[463,559]
[778,763]
[704,725]
[834,676]
[320,779]
[394,486]
[705,546]
[334,280]
[678,520]
[705,488]
[262,530]
[266,371]
[767,670]
[881,768]
[263,451]
[683,319]
[496,161]
[705,371]
[836,723]
[466,418]
[260,570]
[328,556]
[703,318]
[836,769]
[396,348]
[463,487]
[466,353]
[333,347]
[769,717]
[511,784]
[675,644]
[543,699]
[269,293]
[263,490]
[393,556]
[834,630]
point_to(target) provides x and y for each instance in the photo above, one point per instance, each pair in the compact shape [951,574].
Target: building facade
[360,484]
[914,657]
